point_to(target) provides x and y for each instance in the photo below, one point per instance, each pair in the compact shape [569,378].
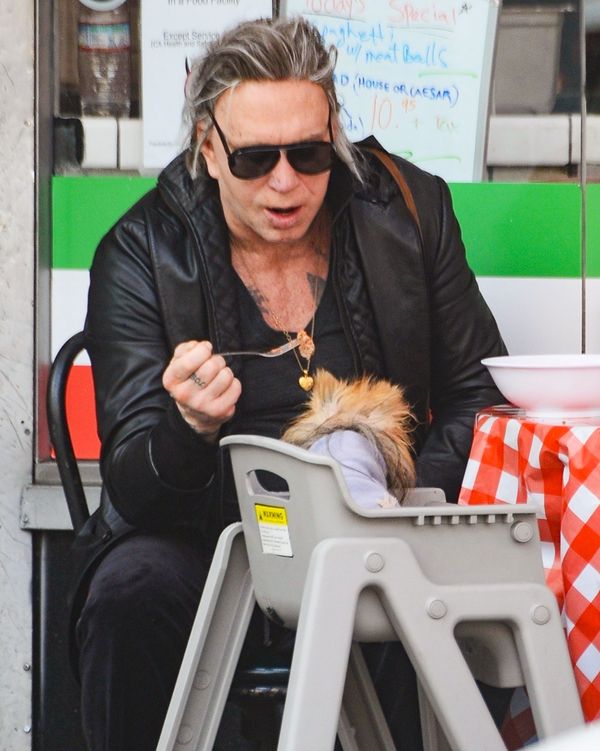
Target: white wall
[16,364]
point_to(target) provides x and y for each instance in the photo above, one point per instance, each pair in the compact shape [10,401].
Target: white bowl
[549,385]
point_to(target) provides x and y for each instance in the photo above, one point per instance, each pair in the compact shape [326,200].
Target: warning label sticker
[273,530]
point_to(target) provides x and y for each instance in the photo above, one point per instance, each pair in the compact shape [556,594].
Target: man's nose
[283,177]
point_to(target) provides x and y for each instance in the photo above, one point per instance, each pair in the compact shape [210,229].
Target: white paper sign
[415,74]
[173,31]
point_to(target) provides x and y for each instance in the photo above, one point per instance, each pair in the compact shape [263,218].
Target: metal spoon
[275,352]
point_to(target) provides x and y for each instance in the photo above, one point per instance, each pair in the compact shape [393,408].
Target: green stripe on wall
[524,229]
[593,229]
[83,209]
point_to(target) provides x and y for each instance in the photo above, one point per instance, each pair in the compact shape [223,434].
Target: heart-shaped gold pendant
[306,382]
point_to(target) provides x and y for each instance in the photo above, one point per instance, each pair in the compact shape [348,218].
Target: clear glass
[536,93]
[104,61]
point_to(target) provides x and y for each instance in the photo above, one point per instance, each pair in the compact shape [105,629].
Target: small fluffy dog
[365,426]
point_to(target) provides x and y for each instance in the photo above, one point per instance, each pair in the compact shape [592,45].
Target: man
[271,225]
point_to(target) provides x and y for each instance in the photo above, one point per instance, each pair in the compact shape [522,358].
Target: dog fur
[374,408]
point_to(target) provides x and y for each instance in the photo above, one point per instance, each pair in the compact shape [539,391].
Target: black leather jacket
[411,312]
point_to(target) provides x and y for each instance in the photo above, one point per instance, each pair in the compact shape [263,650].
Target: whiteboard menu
[416,75]
[173,34]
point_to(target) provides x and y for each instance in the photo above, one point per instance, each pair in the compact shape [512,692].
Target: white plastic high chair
[461,587]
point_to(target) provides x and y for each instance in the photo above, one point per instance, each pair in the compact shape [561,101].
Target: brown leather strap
[388,162]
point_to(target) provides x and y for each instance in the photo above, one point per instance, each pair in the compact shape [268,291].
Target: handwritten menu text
[414,74]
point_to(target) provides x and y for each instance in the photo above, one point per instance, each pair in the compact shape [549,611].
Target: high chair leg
[213,649]
[362,724]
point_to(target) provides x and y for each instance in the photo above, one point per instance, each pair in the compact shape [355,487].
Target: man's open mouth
[284,211]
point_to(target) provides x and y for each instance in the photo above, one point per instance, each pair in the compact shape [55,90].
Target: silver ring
[198,381]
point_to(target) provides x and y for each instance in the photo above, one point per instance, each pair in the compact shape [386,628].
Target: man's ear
[208,151]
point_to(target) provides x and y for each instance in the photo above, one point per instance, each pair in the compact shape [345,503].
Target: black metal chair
[60,435]
[260,683]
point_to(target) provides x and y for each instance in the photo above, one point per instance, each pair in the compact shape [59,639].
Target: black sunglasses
[250,162]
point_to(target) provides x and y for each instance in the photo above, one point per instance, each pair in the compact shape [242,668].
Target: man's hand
[203,387]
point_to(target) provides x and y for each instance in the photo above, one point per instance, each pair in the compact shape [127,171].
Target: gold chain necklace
[307,345]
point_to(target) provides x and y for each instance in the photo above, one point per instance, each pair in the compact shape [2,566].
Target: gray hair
[262,50]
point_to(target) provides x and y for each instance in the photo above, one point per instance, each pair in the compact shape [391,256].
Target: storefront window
[536,104]
[522,222]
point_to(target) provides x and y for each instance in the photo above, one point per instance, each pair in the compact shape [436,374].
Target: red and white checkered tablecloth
[556,467]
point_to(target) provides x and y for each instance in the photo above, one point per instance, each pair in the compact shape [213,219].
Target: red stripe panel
[81,413]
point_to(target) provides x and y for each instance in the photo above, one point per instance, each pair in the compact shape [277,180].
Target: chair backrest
[58,426]
[452,544]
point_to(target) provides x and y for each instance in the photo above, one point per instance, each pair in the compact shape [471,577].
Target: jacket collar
[197,204]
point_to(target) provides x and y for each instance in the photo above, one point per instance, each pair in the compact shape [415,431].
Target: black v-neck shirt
[271,395]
